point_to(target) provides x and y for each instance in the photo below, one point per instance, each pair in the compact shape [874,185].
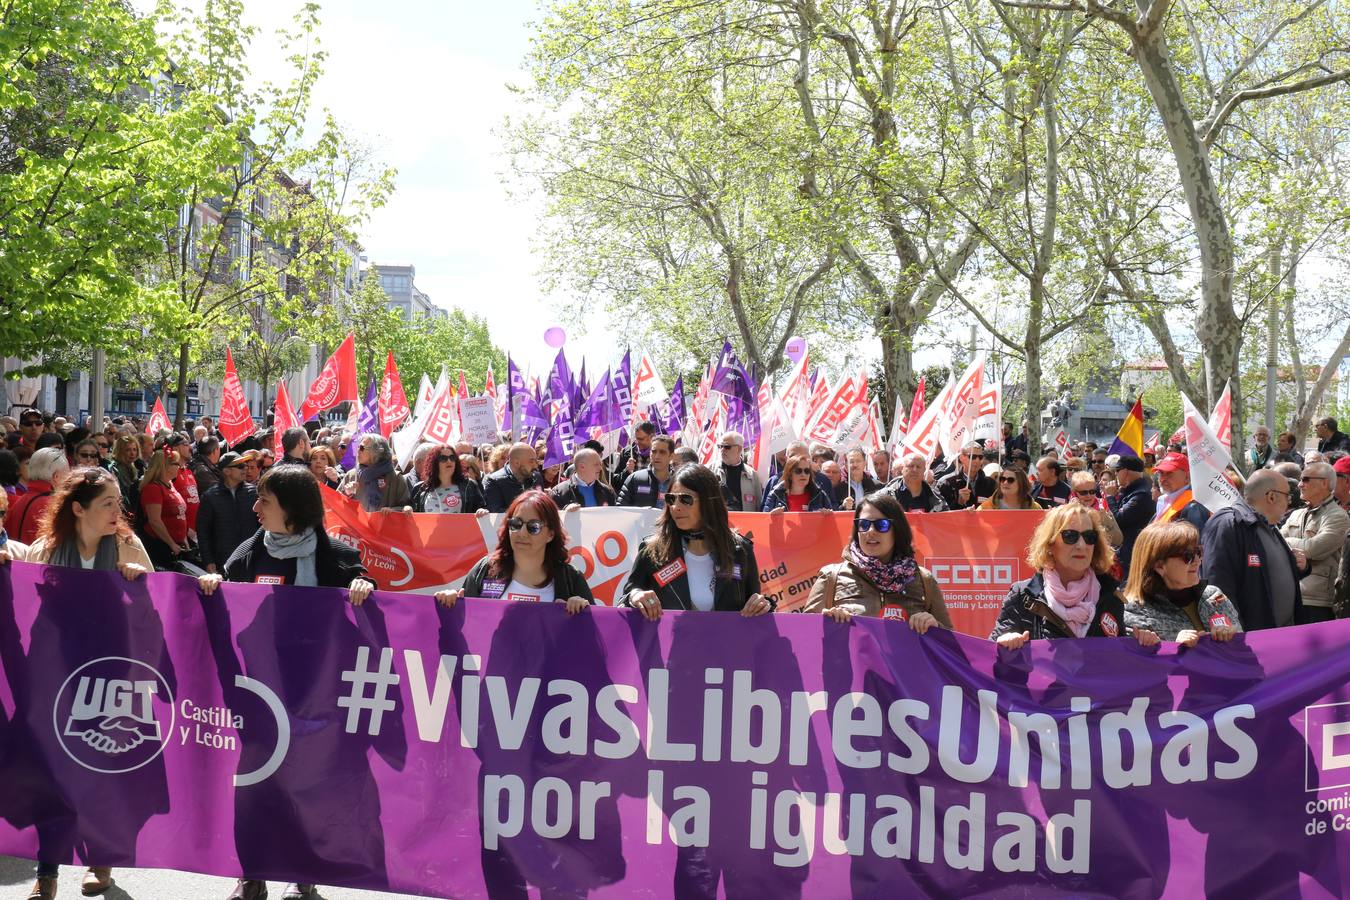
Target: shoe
[248,889]
[44,889]
[298,891]
[97,880]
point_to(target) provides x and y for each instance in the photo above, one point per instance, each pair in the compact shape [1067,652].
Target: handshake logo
[108,714]
[1327,730]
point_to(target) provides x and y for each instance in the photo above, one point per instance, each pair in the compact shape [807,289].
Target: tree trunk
[1217,326]
[182,387]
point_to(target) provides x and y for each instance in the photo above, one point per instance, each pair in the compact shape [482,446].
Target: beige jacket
[1320,533]
[841,584]
[129,550]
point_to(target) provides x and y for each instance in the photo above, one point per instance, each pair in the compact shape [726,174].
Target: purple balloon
[555,337]
[795,348]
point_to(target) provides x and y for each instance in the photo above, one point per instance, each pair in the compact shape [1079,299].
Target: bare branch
[1279,90]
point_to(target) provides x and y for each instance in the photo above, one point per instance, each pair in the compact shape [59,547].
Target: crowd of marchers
[1124,551]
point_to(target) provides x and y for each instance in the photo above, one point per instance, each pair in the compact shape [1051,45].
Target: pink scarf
[1076,602]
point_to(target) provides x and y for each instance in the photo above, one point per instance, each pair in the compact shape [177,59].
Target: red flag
[463,388]
[284,417]
[159,419]
[393,404]
[335,384]
[1221,420]
[235,421]
[490,383]
[916,410]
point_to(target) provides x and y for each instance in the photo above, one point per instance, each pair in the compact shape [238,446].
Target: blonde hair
[1039,555]
[156,466]
[1157,543]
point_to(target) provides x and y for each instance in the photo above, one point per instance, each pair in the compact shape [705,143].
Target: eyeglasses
[728,446]
[1307,478]
[1187,557]
[1086,493]
[1277,493]
[448,459]
[681,498]
[881,525]
[102,446]
[1070,537]
[801,471]
[87,455]
[1007,479]
[515,523]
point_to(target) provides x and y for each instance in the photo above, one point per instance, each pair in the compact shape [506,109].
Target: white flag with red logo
[648,390]
[922,437]
[989,421]
[283,417]
[442,425]
[1061,442]
[159,419]
[959,419]
[796,395]
[846,401]
[336,382]
[707,445]
[393,403]
[1221,420]
[235,422]
[407,438]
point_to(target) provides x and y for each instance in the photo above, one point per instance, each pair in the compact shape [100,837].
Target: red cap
[1174,462]
[1342,466]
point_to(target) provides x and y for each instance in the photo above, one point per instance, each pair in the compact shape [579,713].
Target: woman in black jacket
[444,487]
[529,562]
[1070,596]
[694,560]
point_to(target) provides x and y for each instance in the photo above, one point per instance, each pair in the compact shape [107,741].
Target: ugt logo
[108,714]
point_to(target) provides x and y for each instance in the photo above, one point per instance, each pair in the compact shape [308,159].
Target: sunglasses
[681,498]
[87,455]
[1188,557]
[801,471]
[447,459]
[728,446]
[1307,478]
[881,525]
[1086,493]
[1007,479]
[515,523]
[1070,537]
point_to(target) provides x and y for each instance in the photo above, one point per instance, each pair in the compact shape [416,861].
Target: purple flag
[561,385]
[366,423]
[674,411]
[594,412]
[622,383]
[588,754]
[524,406]
[732,381]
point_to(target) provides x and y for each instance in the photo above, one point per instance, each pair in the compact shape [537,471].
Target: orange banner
[975,555]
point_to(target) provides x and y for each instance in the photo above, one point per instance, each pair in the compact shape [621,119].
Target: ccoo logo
[113,714]
[325,388]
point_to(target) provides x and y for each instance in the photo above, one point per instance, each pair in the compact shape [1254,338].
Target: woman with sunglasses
[1165,597]
[879,576]
[164,510]
[530,561]
[797,490]
[126,453]
[87,455]
[1071,595]
[444,487]
[694,560]
[1014,491]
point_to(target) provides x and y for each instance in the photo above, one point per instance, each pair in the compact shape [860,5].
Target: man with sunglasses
[966,486]
[741,487]
[1245,556]
[1318,532]
[31,426]
[226,518]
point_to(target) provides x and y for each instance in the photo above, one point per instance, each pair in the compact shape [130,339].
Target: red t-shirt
[186,485]
[797,502]
[172,509]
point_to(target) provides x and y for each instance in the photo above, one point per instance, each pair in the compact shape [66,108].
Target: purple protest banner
[472,751]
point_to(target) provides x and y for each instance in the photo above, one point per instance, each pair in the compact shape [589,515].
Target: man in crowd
[205,464]
[583,488]
[226,518]
[1051,490]
[1330,437]
[835,476]
[1245,556]
[1130,499]
[252,468]
[1284,449]
[294,447]
[1342,467]
[966,486]
[636,455]
[741,487]
[1317,532]
[881,464]
[857,483]
[513,479]
[647,487]
[1012,441]
[1261,450]
[912,489]
[31,427]
[1177,500]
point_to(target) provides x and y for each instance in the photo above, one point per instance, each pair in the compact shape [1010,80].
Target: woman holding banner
[1165,596]
[83,528]
[694,560]
[530,561]
[879,576]
[797,491]
[1014,491]
[444,487]
[1071,595]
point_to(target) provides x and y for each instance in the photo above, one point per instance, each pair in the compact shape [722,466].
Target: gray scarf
[67,554]
[372,496]
[299,547]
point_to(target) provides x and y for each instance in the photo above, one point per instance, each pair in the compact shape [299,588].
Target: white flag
[1209,460]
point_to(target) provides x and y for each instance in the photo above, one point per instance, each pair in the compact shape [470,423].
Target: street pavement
[16,877]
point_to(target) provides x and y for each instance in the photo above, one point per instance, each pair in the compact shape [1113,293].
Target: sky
[426,85]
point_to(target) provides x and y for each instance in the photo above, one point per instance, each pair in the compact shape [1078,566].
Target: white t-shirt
[517,591]
[700,577]
[87,563]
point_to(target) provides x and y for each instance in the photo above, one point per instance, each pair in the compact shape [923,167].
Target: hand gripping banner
[497,747]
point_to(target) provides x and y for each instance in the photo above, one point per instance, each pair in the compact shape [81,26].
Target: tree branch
[1279,90]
